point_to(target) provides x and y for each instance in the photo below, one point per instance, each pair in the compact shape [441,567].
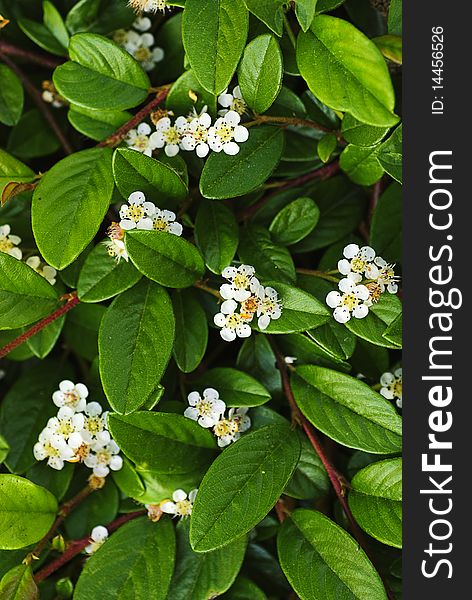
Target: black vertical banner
[437,327]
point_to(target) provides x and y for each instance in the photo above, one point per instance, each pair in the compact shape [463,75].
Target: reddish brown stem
[114,139]
[40,59]
[71,302]
[77,546]
[38,100]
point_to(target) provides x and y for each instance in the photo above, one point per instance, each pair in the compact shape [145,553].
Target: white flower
[140,46]
[386,277]
[164,220]
[97,538]
[49,273]
[69,425]
[289,360]
[234,101]
[142,24]
[352,301]
[139,140]
[230,429]
[181,505]
[196,135]
[392,384]
[95,430]
[232,324]
[169,136]
[268,307]
[8,242]
[359,261]
[138,214]
[103,459]
[207,410]
[116,248]
[243,283]
[54,447]
[148,5]
[71,395]
[226,132]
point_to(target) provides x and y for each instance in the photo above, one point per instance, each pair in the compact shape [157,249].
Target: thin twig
[320,274]
[259,119]
[38,100]
[202,286]
[35,57]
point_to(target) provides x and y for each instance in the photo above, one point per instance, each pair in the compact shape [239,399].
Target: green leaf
[390,155]
[381,315]
[216,234]
[40,35]
[305,11]
[100,75]
[323,562]
[11,97]
[57,482]
[136,563]
[294,222]
[165,258]
[4,449]
[102,277]
[376,501]
[391,47]
[134,171]
[244,589]
[226,176]
[300,311]
[11,169]
[54,22]
[326,146]
[236,388]
[203,576]
[395,14]
[96,124]
[25,296]
[191,330]
[42,342]
[358,133]
[386,228]
[260,463]
[100,17]
[347,410]
[260,72]
[81,329]
[358,83]
[269,12]
[69,204]
[164,443]
[32,136]
[135,345]
[27,511]
[394,331]
[270,260]
[310,479]
[361,164]
[18,584]
[215,49]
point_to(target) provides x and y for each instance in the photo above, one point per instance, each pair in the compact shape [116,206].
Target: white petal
[163,124]
[136,198]
[127,224]
[241,134]
[207,421]
[175,228]
[229,272]
[225,100]
[362,292]
[263,321]
[333,299]
[144,129]
[243,331]
[231,148]
[211,394]
[387,379]
[228,307]
[226,291]
[387,393]
[191,413]
[144,224]
[347,286]
[360,311]
[169,508]
[188,143]
[192,495]
[229,335]
[202,150]
[66,386]
[93,409]
[241,295]
[219,320]
[232,118]
[157,140]
[351,250]
[342,315]
[33,262]
[367,253]
[172,150]
[344,266]
[179,496]
[116,463]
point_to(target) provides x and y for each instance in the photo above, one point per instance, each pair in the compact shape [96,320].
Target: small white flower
[226,133]
[269,307]
[69,425]
[207,410]
[104,458]
[71,395]
[97,538]
[232,324]
[140,46]
[392,384]
[148,5]
[54,447]
[116,248]
[49,273]
[229,430]
[139,140]
[137,213]
[182,504]
[9,242]
[196,135]
[234,101]
[169,136]
[164,220]
[352,301]
[386,277]
[243,283]
[95,430]
[359,261]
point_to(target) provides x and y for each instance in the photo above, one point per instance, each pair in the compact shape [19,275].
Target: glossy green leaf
[69,204]
[260,73]
[32,137]
[386,227]
[54,22]
[57,482]
[4,449]
[27,511]
[191,330]
[100,75]
[260,463]
[81,329]
[323,562]
[270,260]
[102,277]
[358,83]
[269,12]
[326,146]
[11,97]
[217,235]
[236,388]
[18,584]
[214,49]
[136,563]
[295,221]
[226,176]
[390,155]
[135,345]
[244,589]
[391,47]
[11,169]
[40,35]
[375,500]
[381,316]
[305,11]
[96,124]
[347,410]
[310,479]
[361,164]
[358,133]
[165,258]
[42,342]
[395,17]
[394,331]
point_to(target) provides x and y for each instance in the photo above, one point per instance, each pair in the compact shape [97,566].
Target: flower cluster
[232,101]
[49,273]
[148,5]
[367,277]
[78,433]
[181,504]
[392,384]
[244,292]
[140,43]
[209,411]
[141,214]
[115,245]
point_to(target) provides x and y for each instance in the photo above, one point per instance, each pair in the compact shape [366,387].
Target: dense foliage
[200,313]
